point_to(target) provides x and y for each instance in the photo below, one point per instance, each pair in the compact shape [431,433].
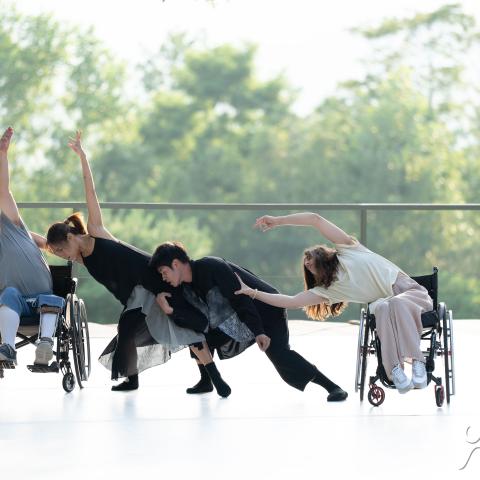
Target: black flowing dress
[146,336]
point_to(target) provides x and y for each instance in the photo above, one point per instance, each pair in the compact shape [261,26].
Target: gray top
[22,264]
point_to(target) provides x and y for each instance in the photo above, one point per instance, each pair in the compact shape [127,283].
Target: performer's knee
[12,298]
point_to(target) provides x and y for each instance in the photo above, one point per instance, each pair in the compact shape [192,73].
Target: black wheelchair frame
[437,331]
[72,334]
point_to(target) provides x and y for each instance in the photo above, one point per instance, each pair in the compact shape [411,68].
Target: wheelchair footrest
[5,364]
[36,368]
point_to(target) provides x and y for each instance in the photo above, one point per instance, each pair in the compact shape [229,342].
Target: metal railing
[361,208]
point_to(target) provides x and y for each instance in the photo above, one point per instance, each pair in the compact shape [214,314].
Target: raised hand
[75,143]
[267,222]
[5,140]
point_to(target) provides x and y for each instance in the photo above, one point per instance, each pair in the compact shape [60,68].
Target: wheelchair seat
[430,319]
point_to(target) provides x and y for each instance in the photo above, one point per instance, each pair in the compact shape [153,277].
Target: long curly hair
[325,262]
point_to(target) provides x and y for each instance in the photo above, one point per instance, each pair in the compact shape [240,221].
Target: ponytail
[74,224]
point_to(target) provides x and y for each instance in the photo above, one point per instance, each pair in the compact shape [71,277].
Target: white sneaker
[44,351]
[419,374]
[400,379]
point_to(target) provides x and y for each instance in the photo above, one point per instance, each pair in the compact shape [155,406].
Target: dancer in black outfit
[214,281]
[146,336]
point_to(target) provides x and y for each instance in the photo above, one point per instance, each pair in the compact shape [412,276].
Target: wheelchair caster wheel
[68,382]
[376,395]
[439,395]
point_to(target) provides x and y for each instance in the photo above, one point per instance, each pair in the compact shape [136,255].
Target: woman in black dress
[146,335]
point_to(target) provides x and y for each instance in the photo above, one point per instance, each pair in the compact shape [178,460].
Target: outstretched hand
[267,222]
[75,143]
[5,140]
[244,289]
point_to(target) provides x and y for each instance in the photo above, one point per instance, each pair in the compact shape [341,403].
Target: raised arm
[95,221]
[329,230]
[39,240]
[7,203]
[302,299]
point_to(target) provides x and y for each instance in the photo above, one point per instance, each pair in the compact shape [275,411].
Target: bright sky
[308,40]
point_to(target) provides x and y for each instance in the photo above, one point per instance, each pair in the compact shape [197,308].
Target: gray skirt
[154,336]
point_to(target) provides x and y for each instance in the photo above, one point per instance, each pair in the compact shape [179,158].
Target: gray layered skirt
[146,337]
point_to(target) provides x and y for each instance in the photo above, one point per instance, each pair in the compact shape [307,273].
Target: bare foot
[5,140]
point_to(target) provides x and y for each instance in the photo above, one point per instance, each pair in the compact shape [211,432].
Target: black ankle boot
[220,385]
[204,385]
[337,395]
[131,383]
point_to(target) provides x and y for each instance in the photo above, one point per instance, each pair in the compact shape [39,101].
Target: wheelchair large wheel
[79,339]
[85,340]
[446,318]
[362,353]
[74,335]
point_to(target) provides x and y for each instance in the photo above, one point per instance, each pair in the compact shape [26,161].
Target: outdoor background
[385,108]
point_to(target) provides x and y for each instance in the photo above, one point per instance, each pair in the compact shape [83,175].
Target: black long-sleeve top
[120,267]
[210,272]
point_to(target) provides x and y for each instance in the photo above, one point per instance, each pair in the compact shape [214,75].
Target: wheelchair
[71,333]
[437,337]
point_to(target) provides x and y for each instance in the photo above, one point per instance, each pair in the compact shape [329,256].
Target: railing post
[363,226]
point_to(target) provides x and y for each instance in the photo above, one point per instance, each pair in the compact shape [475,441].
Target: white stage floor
[265,429]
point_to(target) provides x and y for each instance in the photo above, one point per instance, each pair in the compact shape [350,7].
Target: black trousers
[291,366]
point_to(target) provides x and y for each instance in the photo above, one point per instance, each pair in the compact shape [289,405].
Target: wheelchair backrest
[430,282]
[62,279]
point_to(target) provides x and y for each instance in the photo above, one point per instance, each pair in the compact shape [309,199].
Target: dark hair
[74,224]
[166,253]
[326,263]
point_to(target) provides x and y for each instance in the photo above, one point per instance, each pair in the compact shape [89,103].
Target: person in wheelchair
[25,279]
[146,336]
[350,272]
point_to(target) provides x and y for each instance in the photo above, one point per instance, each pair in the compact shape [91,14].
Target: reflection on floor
[265,429]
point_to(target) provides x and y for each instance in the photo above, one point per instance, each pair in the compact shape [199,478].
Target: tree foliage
[204,127]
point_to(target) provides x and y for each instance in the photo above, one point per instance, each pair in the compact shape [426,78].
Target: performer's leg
[292,367]
[12,306]
[204,385]
[50,307]
[9,322]
[124,362]
[202,352]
